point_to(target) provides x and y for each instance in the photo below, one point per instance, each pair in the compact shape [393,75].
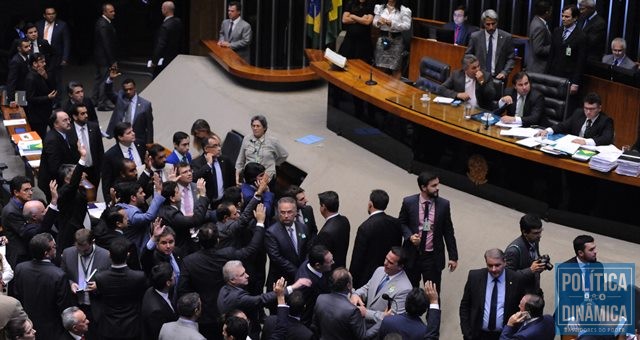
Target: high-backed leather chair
[556,95]
[231,145]
[432,74]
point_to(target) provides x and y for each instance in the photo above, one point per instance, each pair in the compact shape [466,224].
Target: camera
[386,43]
[546,260]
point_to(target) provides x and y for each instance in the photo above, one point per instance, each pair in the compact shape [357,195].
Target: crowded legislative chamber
[247,169]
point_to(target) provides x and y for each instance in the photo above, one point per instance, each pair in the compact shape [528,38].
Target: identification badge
[568,52]
[426,226]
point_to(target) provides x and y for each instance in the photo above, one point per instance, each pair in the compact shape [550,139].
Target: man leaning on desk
[523,105]
[469,84]
[591,125]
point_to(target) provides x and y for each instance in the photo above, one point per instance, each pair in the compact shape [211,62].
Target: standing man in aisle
[104,52]
[168,39]
[235,33]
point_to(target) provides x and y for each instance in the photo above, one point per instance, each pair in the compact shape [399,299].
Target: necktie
[66,141]
[520,106]
[129,116]
[615,63]
[533,254]
[230,30]
[457,35]
[294,239]
[184,159]
[187,202]
[382,283]
[565,34]
[493,312]
[47,27]
[217,174]
[85,143]
[159,172]
[490,54]
[588,123]
[586,22]
[130,153]
[423,234]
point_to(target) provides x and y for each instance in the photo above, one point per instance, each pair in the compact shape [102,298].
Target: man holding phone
[529,322]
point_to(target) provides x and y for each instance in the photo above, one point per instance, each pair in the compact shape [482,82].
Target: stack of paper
[28,143]
[629,164]
[606,160]
[443,100]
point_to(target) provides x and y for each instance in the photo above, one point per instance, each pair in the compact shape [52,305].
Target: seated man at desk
[469,84]
[523,105]
[461,29]
[618,56]
[589,123]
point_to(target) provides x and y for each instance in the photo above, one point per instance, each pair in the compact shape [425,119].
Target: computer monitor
[445,35]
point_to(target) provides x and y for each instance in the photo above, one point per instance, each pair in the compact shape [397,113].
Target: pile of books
[629,164]
[603,162]
[28,143]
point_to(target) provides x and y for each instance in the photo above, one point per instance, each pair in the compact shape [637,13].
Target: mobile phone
[527,316]
[456,102]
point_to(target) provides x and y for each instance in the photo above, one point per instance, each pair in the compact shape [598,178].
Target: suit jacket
[143,118]
[10,308]
[568,66]
[533,111]
[73,208]
[319,285]
[336,318]
[173,217]
[60,41]
[542,328]
[456,84]
[284,258]
[519,259]
[172,158]
[309,219]
[240,39]
[601,130]
[539,45]
[397,288]
[46,50]
[13,222]
[472,304]
[412,328]
[465,32]
[504,57]
[375,237]
[111,163]
[625,63]
[105,48]
[155,312]
[335,236]
[40,106]
[180,329]
[56,151]
[17,74]
[44,292]
[294,330]
[202,170]
[443,233]
[121,291]
[96,147]
[595,32]
[104,238]
[231,298]
[168,41]
[86,101]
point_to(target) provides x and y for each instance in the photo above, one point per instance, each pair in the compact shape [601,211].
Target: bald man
[168,39]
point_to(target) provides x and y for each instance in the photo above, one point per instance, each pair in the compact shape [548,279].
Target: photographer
[523,254]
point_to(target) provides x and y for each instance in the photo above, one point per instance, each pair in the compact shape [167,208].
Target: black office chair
[231,145]
[432,74]
[556,96]
[498,85]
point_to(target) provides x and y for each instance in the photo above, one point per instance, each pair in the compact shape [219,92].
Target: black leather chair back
[231,145]
[556,95]
[432,74]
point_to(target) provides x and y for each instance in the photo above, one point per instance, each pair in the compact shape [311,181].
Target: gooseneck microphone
[371,81]
[389,299]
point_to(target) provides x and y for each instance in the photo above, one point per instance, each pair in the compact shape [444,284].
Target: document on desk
[566,144]
[530,142]
[14,122]
[508,125]
[443,100]
[518,132]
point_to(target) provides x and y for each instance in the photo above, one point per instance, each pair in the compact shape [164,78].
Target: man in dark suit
[107,233]
[120,290]
[469,84]
[492,46]
[130,107]
[594,28]
[13,219]
[529,323]
[585,248]
[592,126]
[37,219]
[568,53]
[461,29]
[79,262]
[59,147]
[522,104]
[40,94]
[125,148]
[76,324]
[75,92]
[168,39]
[523,252]
[335,317]
[89,135]
[376,235]
[288,314]
[105,54]
[491,295]
[42,287]
[287,243]
[305,212]
[202,270]
[217,170]
[335,233]
[427,228]
[38,45]
[18,69]
[315,269]
[180,151]
[537,52]
[56,32]
[235,33]
[156,306]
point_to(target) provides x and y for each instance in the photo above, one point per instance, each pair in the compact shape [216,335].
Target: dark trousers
[98,95]
[484,335]
[427,268]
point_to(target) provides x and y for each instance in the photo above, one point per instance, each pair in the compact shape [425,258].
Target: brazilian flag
[319,13]
[334,19]
[314,22]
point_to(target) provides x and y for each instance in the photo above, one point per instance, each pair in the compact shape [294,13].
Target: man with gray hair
[618,56]
[492,46]
[470,83]
[75,322]
[186,328]
[491,296]
[594,28]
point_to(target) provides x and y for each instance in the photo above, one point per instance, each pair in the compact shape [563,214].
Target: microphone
[371,81]
[389,299]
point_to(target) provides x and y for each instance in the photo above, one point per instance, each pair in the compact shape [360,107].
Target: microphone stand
[371,82]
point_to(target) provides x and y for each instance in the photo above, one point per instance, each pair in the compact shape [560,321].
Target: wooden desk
[619,101]
[352,81]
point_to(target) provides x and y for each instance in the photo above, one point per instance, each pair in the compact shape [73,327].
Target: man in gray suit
[79,262]
[235,33]
[469,84]
[492,46]
[335,317]
[539,38]
[618,56]
[186,328]
[390,280]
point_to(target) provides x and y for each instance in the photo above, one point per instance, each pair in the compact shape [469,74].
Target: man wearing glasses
[217,170]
